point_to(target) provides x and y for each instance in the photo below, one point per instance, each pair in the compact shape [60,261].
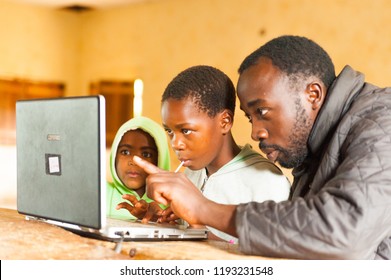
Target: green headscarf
[116,189]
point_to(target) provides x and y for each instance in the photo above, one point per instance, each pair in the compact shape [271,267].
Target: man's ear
[226,120]
[315,94]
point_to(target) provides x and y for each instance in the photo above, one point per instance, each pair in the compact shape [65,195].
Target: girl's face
[195,137]
[135,143]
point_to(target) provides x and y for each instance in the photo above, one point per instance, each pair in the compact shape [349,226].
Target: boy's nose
[177,143]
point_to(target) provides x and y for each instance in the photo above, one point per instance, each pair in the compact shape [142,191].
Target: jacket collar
[338,100]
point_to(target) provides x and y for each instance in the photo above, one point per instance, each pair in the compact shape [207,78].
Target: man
[336,134]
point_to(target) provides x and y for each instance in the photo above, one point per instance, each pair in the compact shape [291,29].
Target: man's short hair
[297,57]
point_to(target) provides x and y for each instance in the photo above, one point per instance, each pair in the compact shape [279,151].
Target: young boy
[198,112]
[145,138]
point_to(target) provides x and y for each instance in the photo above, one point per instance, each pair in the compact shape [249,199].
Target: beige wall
[39,43]
[155,40]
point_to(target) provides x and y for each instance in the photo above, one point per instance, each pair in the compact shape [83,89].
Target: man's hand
[185,200]
[173,189]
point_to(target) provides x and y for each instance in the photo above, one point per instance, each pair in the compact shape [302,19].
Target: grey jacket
[340,204]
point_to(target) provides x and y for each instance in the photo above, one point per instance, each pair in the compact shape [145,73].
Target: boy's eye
[186,131]
[169,131]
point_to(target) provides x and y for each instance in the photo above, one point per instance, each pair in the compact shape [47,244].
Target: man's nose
[258,133]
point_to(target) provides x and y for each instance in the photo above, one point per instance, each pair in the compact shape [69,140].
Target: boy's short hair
[210,89]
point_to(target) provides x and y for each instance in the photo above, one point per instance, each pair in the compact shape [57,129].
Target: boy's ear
[226,120]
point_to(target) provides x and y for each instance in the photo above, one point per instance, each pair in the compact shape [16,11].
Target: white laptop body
[61,171]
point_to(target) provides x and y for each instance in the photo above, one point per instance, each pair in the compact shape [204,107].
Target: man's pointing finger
[147,166]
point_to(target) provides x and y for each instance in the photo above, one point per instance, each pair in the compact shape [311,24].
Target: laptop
[61,171]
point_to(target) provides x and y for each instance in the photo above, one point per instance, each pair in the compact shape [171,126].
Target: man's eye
[249,118]
[186,131]
[169,131]
[262,112]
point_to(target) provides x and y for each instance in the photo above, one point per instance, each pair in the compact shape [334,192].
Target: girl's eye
[186,131]
[146,154]
[125,152]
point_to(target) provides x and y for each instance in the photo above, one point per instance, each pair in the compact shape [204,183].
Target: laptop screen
[61,159]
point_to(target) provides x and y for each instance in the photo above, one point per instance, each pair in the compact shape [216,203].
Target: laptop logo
[53,164]
[53,137]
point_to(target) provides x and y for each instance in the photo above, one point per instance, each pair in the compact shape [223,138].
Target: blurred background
[55,48]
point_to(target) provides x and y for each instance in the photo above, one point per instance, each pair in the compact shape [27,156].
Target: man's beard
[297,150]
[288,158]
